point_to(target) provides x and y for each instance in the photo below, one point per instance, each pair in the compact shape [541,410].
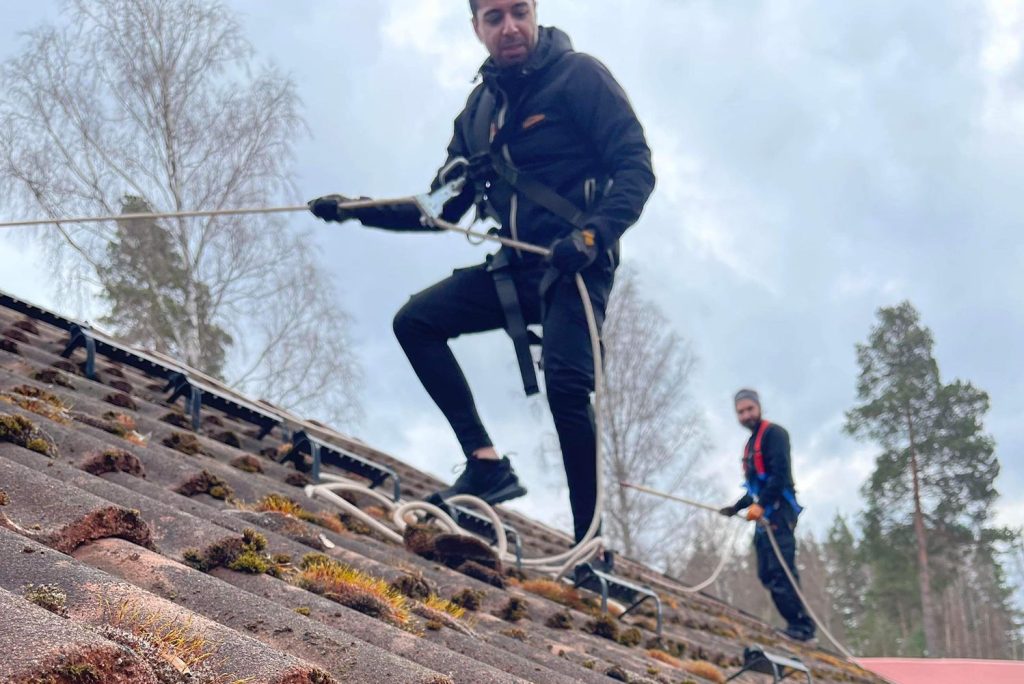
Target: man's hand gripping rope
[431,206]
[766,526]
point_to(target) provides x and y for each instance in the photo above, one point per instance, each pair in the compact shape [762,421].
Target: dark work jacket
[771,492]
[569,126]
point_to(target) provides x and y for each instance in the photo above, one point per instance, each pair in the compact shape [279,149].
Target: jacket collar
[552,45]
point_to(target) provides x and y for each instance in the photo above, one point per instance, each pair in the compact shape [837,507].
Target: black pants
[774,579]
[467,302]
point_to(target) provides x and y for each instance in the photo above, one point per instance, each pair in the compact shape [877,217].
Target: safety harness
[490,138]
[753,455]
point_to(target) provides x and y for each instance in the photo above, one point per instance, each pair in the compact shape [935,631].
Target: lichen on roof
[23,432]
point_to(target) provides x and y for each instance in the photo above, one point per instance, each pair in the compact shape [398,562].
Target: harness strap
[761,471]
[533,189]
[538,192]
[483,119]
[515,324]
[759,466]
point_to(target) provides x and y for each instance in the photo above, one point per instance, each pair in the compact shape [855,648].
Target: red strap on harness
[758,454]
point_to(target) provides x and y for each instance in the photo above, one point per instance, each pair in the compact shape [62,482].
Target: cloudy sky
[816,160]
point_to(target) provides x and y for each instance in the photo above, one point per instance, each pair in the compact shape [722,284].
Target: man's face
[748,413]
[508,29]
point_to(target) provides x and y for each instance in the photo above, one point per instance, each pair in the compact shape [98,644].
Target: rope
[355,204]
[559,564]
[697,588]
[778,555]
[722,560]
[796,587]
[671,497]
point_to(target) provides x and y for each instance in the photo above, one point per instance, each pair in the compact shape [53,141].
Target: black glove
[480,170]
[575,251]
[728,511]
[328,209]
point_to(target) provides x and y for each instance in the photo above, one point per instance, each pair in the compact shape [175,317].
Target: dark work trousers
[467,302]
[774,579]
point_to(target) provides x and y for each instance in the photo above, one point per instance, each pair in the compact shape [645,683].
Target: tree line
[924,570]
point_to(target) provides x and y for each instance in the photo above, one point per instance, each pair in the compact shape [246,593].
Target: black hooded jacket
[562,119]
[778,469]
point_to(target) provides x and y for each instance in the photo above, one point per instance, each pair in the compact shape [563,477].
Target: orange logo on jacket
[533,120]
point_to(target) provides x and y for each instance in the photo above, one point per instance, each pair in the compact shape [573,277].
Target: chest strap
[529,187]
[537,192]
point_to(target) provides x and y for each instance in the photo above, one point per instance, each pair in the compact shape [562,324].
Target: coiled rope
[557,565]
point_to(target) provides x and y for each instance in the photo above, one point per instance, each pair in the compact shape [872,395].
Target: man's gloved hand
[575,251]
[480,170]
[328,208]
[727,511]
[755,512]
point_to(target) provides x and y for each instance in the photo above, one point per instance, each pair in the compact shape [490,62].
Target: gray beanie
[747,394]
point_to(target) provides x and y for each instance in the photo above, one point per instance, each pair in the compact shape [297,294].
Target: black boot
[493,481]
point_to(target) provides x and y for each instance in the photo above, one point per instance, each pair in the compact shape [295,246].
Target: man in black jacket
[771,496]
[558,158]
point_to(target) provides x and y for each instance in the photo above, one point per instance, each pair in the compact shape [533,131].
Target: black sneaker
[800,634]
[490,480]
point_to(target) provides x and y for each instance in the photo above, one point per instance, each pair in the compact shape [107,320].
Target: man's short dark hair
[474,5]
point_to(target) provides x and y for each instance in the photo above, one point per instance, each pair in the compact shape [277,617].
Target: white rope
[723,558]
[796,587]
[665,495]
[355,204]
[559,564]
[778,555]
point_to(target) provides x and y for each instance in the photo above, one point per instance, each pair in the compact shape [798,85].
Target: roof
[945,671]
[134,548]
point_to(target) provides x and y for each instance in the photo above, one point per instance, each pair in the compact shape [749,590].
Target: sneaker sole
[506,494]
[800,639]
[491,498]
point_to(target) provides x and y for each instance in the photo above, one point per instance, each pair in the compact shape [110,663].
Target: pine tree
[933,485]
[846,578]
[146,283]
[899,386]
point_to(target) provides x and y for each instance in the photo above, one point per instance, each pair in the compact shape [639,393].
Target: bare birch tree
[162,101]
[652,432]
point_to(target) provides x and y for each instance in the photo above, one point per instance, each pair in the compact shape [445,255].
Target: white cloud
[1010,512]
[1004,43]
[22,271]
[440,31]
